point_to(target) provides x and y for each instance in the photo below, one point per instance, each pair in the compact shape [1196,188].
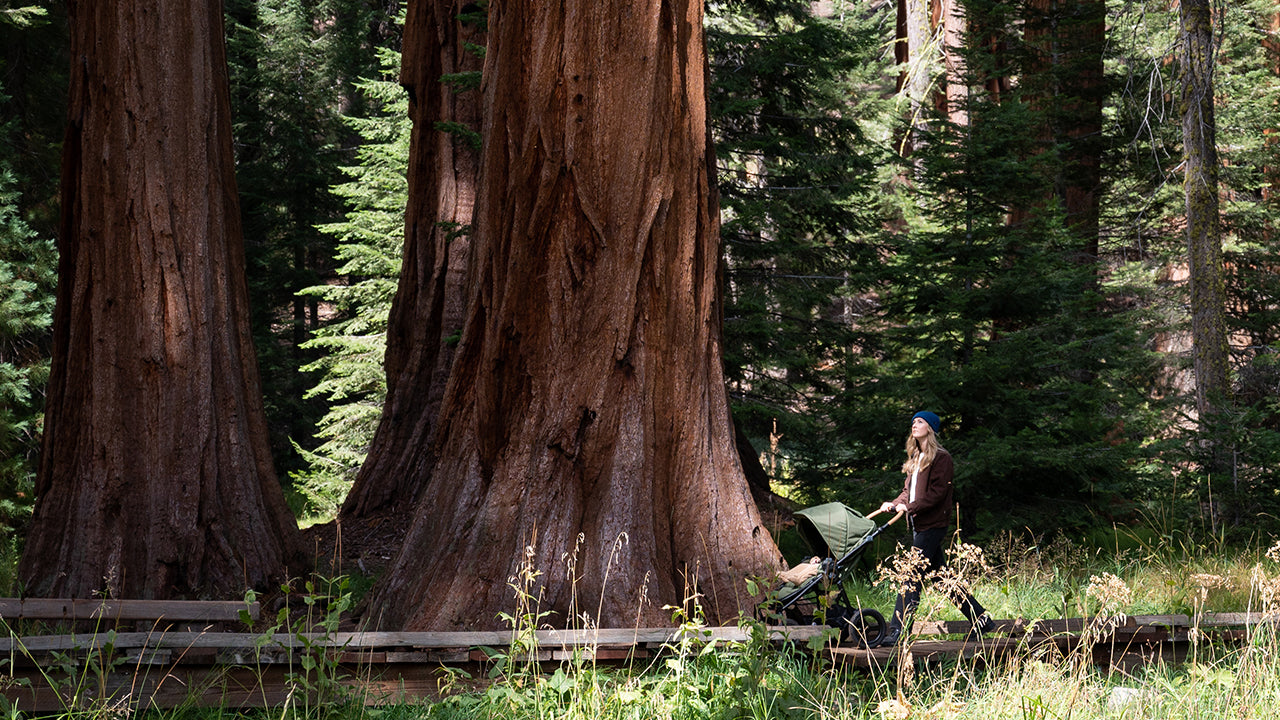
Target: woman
[927,499]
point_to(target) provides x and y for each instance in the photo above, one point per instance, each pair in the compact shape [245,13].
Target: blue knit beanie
[930,418]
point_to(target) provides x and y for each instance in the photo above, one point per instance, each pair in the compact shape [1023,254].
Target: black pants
[929,543]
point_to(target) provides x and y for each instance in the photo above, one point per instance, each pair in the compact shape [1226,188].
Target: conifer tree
[369,246]
[788,100]
[28,258]
[28,272]
[1145,214]
[293,68]
[989,319]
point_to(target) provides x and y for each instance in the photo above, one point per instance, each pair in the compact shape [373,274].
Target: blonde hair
[926,450]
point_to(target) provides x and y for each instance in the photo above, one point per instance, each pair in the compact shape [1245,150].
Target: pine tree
[28,270]
[989,318]
[1145,216]
[293,67]
[369,248]
[28,273]
[789,100]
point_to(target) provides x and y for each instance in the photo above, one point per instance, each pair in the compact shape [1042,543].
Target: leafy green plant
[308,624]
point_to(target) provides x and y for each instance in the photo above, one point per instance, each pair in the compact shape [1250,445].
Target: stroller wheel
[863,627]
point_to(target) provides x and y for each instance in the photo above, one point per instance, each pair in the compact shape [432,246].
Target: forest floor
[360,551]
[366,546]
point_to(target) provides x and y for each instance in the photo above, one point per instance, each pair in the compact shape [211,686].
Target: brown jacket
[934,493]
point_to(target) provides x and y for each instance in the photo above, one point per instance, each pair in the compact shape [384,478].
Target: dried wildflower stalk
[1113,596]
[903,570]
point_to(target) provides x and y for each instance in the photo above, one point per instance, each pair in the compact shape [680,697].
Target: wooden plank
[1052,626]
[353,641]
[1217,620]
[125,610]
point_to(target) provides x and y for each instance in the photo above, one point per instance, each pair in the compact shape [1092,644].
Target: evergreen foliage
[293,66]
[370,239]
[33,105]
[795,179]
[28,273]
[1248,81]
[1145,223]
[858,288]
[989,317]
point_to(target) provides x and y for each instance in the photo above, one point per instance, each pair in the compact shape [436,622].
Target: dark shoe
[891,636]
[984,624]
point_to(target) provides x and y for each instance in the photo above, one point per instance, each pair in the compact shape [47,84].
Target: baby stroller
[838,535]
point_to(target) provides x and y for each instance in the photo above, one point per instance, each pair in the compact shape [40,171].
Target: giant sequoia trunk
[1204,241]
[429,303]
[586,418]
[155,478]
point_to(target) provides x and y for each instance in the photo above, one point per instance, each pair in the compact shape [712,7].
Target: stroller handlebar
[895,519]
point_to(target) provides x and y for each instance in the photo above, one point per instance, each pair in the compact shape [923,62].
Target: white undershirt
[914,474]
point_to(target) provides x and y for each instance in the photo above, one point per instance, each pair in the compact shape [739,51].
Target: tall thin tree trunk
[155,478]
[1204,242]
[586,418]
[429,303]
[1068,37]
[954,31]
[918,59]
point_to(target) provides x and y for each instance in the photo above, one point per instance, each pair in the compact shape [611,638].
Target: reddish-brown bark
[429,303]
[155,478]
[954,29]
[918,57]
[586,416]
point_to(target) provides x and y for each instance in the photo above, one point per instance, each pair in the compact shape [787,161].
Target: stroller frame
[864,626]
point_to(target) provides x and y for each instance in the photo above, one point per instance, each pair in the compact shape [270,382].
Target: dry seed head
[1209,581]
[893,709]
[949,582]
[966,557]
[1110,591]
[1269,590]
[903,569]
[1274,553]
[1206,582]
[969,564]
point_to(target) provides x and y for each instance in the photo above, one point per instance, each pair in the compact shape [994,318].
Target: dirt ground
[365,547]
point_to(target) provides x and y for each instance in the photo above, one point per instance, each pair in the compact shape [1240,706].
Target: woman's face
[919,428]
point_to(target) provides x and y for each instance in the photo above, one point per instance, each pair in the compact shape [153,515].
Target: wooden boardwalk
[169,666]
[1136,640]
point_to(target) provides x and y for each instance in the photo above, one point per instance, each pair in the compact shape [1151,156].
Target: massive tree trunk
[155,478]
[1204,241]
[586,417]
[430,300]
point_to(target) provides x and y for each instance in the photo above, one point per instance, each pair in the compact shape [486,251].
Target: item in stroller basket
[840,535]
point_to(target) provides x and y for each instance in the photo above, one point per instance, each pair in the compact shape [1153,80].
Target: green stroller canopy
[833,529]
